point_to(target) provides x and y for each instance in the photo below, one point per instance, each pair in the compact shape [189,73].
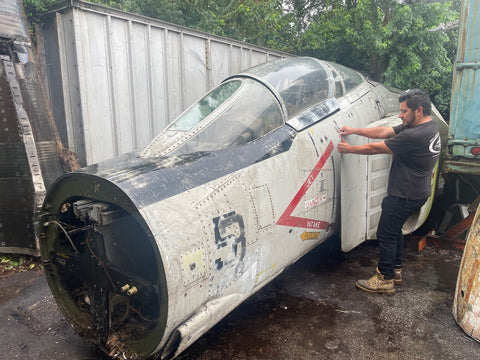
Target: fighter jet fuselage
[147,251]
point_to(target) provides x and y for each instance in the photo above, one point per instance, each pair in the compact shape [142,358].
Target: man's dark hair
[416,98]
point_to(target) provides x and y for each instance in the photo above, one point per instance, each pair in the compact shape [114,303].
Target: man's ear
[419,110]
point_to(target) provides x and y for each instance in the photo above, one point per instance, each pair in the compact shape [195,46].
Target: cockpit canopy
[251,104]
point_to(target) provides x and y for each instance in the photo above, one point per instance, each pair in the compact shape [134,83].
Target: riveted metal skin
[146,252]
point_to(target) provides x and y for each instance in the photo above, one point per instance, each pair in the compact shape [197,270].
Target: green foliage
[117,4]
[16,262]
[258,22]
[389,42]
[419,57]
[35,8]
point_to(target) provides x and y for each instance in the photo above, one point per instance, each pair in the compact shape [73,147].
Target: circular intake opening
[104,271]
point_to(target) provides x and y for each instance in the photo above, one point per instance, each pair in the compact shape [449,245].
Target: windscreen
[205,106]
[350,78]
[301,82]
[237,112]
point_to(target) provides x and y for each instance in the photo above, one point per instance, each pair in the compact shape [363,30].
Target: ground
[311,311]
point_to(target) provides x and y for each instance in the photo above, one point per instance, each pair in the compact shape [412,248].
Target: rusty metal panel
[464,132]
[125,77]
[21,183]
[466,305]
[13,27]
[29,161]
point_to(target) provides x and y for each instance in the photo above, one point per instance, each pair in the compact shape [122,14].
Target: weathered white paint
[466,304]
[217,242]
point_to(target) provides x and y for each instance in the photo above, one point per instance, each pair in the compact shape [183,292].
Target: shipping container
[117,79]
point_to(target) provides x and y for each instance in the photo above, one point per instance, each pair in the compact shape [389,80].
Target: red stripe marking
[286,218]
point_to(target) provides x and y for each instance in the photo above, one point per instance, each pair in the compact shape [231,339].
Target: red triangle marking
[286,218]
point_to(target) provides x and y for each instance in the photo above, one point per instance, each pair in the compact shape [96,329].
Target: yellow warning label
[308,235]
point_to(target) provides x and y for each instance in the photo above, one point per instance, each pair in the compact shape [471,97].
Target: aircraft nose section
[105,271]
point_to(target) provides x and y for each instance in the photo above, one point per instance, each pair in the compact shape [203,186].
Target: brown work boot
[397,278]
[377,284]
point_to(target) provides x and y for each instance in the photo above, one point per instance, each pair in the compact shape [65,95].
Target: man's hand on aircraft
[346,130]
[343,147]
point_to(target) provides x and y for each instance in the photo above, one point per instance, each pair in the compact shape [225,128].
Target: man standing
[415,145]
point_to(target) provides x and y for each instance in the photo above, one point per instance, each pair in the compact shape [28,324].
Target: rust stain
[471,279]
[422,243]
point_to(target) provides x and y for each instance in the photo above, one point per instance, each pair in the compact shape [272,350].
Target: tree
[389,42]
[253,21]
[419,57]
[35,8]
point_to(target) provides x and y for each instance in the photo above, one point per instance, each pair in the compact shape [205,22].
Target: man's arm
[378,132]
[365,149]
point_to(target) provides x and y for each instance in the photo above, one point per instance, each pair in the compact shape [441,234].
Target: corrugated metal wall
[464,131]
[117,79]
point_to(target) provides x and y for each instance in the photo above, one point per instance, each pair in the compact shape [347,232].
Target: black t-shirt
[416,152]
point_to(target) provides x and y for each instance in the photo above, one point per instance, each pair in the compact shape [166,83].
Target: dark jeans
[395,212]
